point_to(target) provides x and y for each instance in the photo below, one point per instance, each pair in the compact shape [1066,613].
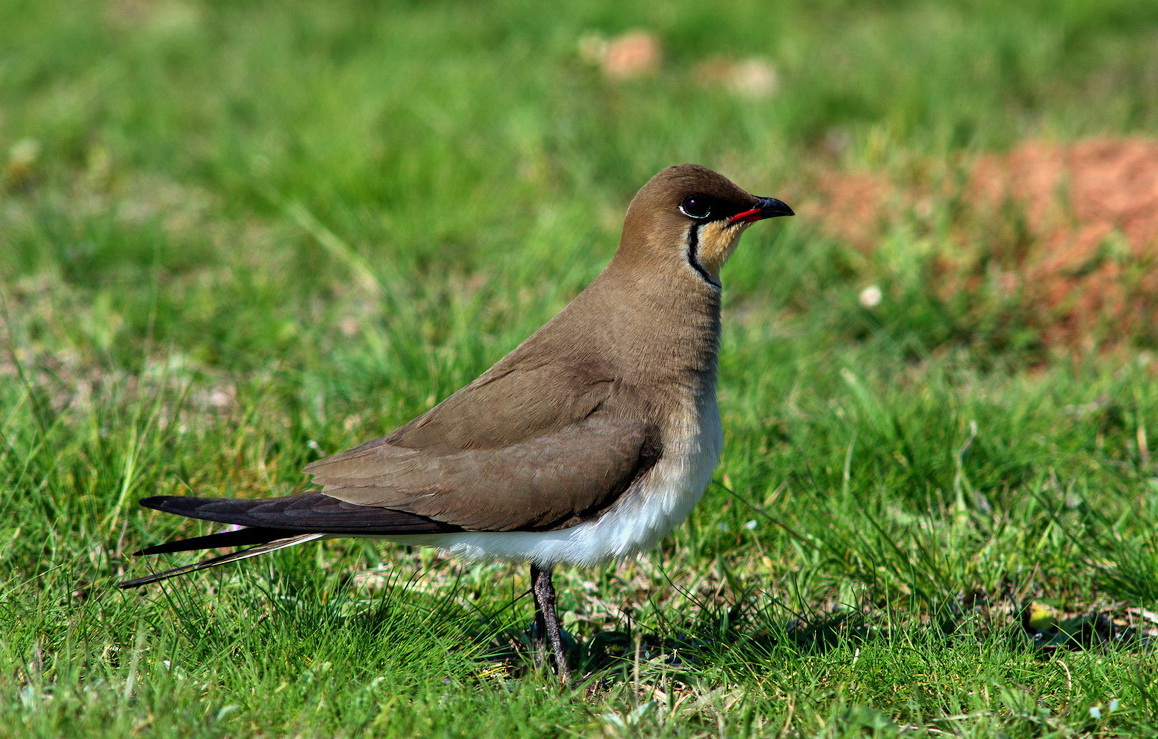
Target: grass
[238,236]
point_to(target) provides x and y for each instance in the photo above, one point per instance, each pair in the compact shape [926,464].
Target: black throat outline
[694,257]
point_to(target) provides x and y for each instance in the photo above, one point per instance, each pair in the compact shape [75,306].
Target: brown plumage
[587,442]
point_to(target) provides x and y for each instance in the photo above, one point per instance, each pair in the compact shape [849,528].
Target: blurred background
[983,166]
[237,236]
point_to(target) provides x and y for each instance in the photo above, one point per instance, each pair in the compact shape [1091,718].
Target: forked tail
[276,523]
[268,546]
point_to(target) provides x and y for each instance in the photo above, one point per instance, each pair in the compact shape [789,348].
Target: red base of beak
[767,208]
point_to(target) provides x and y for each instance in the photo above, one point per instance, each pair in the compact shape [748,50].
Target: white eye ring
[690,207]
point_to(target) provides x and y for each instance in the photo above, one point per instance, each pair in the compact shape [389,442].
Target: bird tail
[275,523]
[280,540]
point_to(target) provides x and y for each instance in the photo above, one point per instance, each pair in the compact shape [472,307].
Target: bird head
[691,218]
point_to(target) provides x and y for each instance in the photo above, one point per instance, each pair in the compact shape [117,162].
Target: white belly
[645,513]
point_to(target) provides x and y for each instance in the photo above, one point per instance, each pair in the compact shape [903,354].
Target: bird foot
[545,653]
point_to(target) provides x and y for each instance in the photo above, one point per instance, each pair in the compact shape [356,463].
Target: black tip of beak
[771,208]
[765,208]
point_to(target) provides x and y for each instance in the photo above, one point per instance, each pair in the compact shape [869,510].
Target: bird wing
[529,450]
[516,400]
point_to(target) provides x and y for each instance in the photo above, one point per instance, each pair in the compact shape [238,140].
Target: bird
[587,443]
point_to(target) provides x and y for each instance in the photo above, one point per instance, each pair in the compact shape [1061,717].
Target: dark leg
[547,620]
[539,632]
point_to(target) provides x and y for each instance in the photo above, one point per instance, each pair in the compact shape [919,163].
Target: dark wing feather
[238,538]
[293,514]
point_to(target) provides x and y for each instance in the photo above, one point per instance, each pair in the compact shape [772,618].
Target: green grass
[235,236]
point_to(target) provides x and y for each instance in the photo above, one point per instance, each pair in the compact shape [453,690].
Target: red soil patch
[1068,231]
[854,207]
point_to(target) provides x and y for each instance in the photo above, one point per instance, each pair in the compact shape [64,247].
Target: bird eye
[698,207]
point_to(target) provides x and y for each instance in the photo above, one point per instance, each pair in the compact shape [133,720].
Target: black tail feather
[273,523]
[223,559]
[238,538]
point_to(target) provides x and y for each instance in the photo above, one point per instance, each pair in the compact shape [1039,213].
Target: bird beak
[765,208]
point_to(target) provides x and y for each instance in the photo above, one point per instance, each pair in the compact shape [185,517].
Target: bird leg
[539,631]
[547,620]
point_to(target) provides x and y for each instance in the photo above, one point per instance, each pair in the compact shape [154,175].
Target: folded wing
[545,482]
